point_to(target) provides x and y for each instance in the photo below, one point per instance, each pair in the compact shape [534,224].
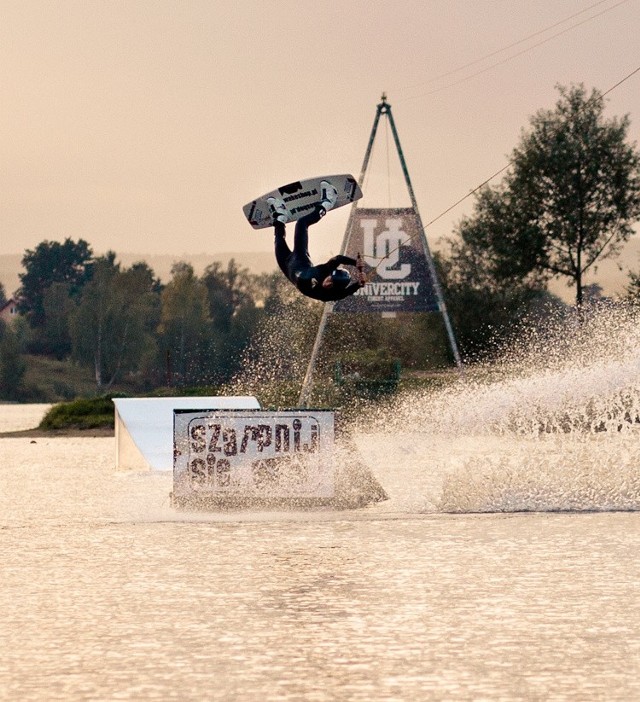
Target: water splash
[554,426]
[570,377]
[273,366]
[564,475]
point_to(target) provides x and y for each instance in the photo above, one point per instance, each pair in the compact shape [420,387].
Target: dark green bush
[85,413]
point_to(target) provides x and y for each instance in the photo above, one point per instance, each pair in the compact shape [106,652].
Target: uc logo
[383,251]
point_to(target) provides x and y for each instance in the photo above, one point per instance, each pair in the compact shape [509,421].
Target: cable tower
[404,274]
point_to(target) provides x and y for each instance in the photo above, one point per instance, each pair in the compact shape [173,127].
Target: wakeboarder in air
[327,282]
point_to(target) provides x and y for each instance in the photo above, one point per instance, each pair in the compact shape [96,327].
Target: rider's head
[339,279]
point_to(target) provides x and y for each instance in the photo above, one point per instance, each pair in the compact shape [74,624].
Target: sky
[143,126]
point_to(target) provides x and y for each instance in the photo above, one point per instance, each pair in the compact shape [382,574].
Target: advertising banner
[390,241]
[253,453]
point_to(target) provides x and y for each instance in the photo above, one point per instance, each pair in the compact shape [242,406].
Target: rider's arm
[337,260]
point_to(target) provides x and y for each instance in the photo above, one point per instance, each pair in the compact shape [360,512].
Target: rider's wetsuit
[299,269]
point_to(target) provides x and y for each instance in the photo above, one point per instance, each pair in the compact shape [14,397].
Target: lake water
[503,566]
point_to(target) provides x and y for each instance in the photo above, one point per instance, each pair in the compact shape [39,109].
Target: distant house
[9,311]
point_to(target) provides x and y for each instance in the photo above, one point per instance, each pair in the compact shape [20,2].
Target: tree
[142,309]
[3,295]
[233,295]
[227,290]
[632,291]
[52,262]
[113,325]
[58,305]
[184,324]
[571,197]
[485,307]
[12,365]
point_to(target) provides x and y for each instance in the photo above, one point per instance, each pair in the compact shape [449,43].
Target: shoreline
[70,432]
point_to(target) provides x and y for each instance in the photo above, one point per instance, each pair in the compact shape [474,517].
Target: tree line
[125,323]
[570,199]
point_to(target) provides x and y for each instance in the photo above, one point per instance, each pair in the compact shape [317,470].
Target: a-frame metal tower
[383,109]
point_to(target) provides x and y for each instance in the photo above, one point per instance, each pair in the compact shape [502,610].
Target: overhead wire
[620,82]
[516,55]
[510,162]
[508,46]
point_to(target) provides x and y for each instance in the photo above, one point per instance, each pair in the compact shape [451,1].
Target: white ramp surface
[144,427]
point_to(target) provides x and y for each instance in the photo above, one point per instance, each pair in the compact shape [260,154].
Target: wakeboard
[300,198]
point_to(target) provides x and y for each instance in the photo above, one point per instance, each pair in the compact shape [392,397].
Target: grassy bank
[49,380]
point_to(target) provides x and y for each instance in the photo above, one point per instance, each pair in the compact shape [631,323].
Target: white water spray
[554,426]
